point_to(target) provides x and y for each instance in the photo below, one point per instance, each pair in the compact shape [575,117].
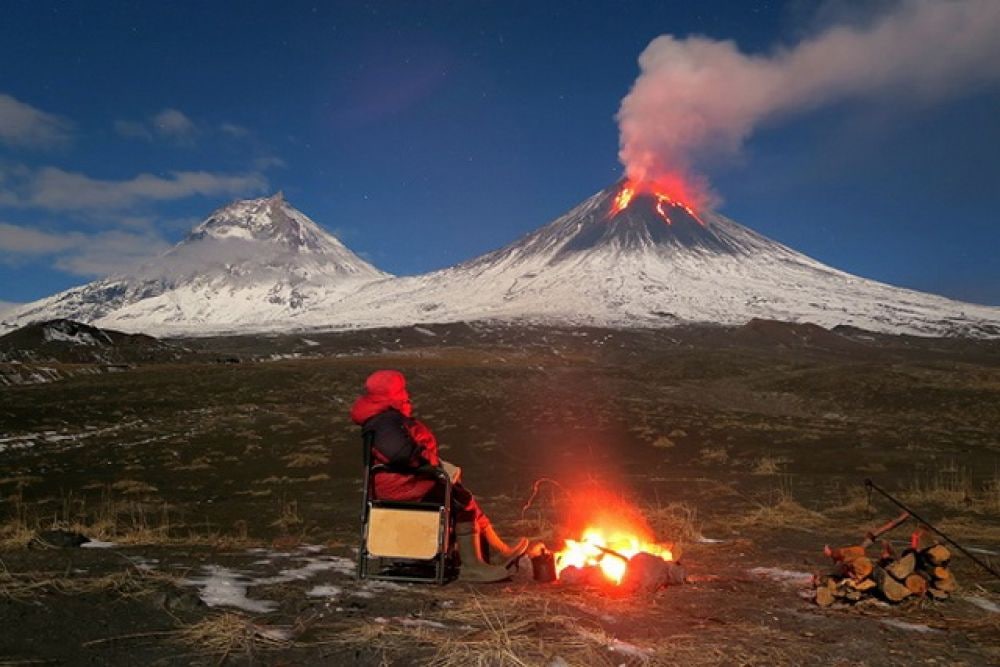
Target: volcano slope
[239,483]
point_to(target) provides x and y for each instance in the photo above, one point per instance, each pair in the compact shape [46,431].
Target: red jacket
[384,410]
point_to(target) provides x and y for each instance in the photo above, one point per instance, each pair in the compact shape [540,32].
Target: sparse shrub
[663,442]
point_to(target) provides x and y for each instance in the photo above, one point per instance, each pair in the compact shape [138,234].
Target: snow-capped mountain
[261,265]
[250,263]
[634,268]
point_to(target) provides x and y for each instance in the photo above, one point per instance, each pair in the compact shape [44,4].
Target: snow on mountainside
[260,265]
[250,263]
[635,269]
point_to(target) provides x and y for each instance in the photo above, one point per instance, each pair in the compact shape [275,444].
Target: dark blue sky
[423,134]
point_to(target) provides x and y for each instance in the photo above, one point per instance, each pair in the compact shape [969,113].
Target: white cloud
[17,240]
[54,189]
[133,129]
[22,125]
[173,124]
[234,130]
[269,161]
[78,253]
[111,252]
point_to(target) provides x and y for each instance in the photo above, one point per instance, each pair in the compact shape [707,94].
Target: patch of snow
[709,540]
[98,544]
[983,603]
[325,591]
[983,550]
[310,343]
[782,576]
[424,331]
[222,587]
[910,627]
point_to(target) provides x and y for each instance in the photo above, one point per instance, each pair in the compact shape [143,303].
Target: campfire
[612,546]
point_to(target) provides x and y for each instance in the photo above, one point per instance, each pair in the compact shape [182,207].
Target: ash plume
[698,97]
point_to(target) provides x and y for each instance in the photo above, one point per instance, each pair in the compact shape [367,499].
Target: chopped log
[824,596]
[845,554]
[940,572]
[922,539]
[853,596]
[946,584]
[862,585]
[891,589]
[916,583]
[861,567]
[938,594]
[903,567]
[938,554]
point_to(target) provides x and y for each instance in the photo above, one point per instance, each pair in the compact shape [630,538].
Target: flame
[669,192]
[594,548]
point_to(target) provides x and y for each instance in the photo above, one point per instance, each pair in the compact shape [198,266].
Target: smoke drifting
[698,97]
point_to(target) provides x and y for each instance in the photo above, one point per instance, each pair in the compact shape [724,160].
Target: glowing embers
[664,201]
[607,551]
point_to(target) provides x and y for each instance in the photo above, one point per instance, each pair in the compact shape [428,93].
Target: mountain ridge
[262,265]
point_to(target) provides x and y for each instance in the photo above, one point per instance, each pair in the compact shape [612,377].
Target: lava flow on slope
[668,194]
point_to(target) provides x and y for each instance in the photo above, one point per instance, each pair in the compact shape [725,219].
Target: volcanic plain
[222,488]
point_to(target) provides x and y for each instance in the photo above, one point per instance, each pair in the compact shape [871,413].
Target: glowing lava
[658,191]
[594,550]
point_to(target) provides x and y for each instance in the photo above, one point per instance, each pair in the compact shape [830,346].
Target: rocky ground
[224,490]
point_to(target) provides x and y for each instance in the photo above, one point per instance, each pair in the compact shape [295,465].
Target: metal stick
[872,486]
[610,552]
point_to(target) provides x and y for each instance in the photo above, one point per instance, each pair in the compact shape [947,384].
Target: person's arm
[426,442]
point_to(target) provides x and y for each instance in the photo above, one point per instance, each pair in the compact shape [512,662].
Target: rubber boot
[500,552]
[473,567]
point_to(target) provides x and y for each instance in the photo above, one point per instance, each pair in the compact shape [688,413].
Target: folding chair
[404,540]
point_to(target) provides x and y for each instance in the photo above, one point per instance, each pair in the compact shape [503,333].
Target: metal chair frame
[442,561]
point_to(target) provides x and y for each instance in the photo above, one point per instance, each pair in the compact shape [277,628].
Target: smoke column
[698,97]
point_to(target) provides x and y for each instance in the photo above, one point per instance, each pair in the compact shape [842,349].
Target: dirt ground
[224,492]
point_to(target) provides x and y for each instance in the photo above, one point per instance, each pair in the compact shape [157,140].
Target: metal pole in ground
[872,486]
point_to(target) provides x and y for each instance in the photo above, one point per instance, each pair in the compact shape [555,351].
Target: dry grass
[111,519]
[288,515]
[768,465]
[133,487]
[780,509]
[676,522]
[307,459]
[714,455]
[228,634]
[663,442]
[955,488]
[132,582]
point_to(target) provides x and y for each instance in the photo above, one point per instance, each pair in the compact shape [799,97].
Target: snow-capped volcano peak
[250,262]
[266,219]
[637,257]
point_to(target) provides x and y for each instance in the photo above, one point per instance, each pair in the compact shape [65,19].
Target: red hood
[383,390]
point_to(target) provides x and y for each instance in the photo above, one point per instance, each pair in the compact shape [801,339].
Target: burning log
[647,573]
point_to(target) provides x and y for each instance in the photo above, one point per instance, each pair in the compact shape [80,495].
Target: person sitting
[384,410]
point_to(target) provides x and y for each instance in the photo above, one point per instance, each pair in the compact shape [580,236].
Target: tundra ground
[239,484]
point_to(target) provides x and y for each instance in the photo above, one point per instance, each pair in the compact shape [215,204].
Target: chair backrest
[404,533]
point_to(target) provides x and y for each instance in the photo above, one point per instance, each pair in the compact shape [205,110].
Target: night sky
[423,134]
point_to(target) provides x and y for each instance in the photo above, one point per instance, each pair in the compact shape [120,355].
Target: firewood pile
[920,571]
